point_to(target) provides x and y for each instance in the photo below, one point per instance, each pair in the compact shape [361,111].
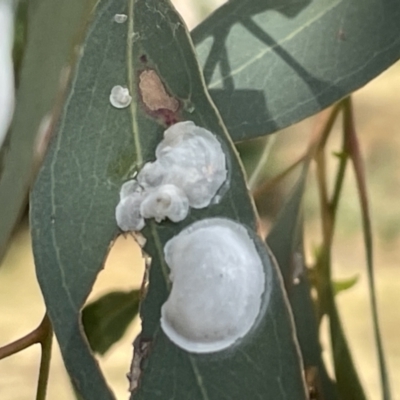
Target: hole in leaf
[21,310]
[110,316]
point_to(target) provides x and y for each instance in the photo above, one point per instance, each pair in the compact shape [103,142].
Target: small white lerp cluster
[189,169]
[218,282]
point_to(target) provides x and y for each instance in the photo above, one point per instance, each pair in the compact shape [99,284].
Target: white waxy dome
[193,160]
[218,282]
[127,212]
[120,97]
[166,201]
[189,170]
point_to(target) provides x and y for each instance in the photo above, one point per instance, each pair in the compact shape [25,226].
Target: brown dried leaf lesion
[153,92]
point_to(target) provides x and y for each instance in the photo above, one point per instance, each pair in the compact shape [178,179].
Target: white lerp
[189,169]
[218,282]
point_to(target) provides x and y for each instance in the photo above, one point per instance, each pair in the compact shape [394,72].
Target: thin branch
[334,202]
[267,186]
[46,345]
[43,335]
[323,197]
[353,148]
[323,128]
[348,382]
[21,344]
[321,131]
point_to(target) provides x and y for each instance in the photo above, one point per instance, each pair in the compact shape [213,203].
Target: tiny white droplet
[190,107]
[120,18]
[120,97]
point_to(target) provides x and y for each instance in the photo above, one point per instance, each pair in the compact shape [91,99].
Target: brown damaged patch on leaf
[141,350]
[153,92]
[313,383]
[141,346]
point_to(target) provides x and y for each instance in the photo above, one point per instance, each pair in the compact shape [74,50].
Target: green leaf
[285,241]
[73,203]
[53,25]
[106,319]
[348,382]
[269,64]
[344,284]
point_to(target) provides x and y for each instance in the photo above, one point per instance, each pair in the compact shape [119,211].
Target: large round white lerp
[218,282]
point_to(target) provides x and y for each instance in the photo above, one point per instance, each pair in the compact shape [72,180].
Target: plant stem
[348,382]
[44,369]
[323,197]
[323,127]
[353,148]
[43,334]
[267,186]
[20,344]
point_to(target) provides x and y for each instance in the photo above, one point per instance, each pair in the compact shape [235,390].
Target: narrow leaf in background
[106,319]
[344,284]
[347,380]
[285,241]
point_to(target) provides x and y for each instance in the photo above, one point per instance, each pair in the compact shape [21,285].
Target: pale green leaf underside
[96,148]
[271,63]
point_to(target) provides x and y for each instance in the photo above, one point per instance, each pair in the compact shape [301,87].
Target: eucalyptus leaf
[96,148]
[106,319]
[285,241]
[52,28]
[271,63]
[344,284]
[348,382]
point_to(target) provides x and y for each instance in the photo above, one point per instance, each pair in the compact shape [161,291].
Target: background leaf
[97,147]
[53,26]
[106,319]
[285,241]
[269,64]
[344,284]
